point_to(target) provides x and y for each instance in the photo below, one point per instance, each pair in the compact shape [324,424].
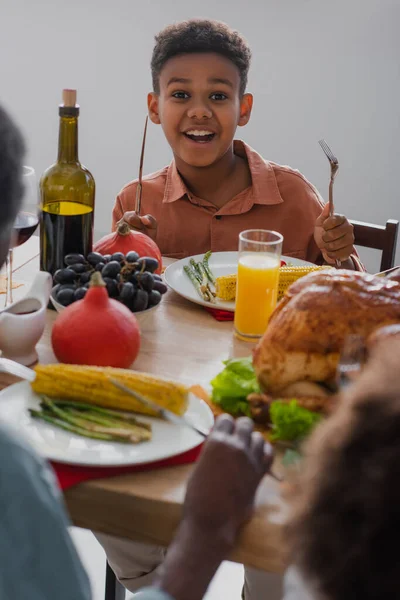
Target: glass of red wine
[26,222]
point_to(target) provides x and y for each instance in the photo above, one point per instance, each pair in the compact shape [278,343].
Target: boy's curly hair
[12,150]
[344,532]
[200,35]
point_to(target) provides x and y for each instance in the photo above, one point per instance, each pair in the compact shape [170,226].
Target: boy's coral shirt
[279,199]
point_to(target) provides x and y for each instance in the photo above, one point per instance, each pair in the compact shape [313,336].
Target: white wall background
[321,68]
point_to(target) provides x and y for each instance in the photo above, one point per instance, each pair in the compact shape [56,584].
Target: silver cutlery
[352,359]
[162,412]
[168,415]
[14,368]
[388,271]
[138,204]
[334,163]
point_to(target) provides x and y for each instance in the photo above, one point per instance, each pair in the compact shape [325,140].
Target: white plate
[221,264]
[56,444]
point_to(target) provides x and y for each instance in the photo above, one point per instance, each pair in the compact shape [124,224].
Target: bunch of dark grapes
[129,278]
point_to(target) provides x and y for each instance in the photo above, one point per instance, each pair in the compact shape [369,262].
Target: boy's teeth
[201,136]
[199,132]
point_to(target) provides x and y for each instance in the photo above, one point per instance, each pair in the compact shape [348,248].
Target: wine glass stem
[9,297]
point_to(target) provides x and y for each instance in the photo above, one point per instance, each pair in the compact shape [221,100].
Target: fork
[333,161]
[14,368]
[352,359]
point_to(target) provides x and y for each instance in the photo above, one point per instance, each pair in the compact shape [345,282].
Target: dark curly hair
[12,150]
[346,519]
[200,35]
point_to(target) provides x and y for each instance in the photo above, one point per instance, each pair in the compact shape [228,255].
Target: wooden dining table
[181,341]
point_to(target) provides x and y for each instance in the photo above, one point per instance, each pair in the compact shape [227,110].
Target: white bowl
[140,315]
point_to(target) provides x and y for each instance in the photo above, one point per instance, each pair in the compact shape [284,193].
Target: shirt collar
[175,188]
[264,187]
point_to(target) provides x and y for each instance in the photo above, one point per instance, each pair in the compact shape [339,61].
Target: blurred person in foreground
[37,557]
[346,505]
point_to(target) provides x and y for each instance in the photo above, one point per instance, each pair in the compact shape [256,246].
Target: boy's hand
[146,224]
[334,236]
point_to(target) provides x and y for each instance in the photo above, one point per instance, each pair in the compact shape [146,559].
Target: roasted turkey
[308,328]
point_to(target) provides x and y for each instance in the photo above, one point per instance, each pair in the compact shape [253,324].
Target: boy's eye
[180,95]
[218,96]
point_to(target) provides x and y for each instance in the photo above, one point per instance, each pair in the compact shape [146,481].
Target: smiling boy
[216,186]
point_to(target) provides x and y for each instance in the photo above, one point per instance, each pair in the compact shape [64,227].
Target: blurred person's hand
[219,499]
[220,493]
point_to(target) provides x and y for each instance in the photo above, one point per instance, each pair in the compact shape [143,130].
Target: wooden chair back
[378,237]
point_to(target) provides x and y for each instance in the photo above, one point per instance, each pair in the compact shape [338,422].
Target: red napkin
[70,475]
[221,315]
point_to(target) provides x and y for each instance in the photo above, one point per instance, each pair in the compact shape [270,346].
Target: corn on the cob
[91,385]
[226,285]
[288,275]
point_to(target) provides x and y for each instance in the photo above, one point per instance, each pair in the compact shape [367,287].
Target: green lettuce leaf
[231,387]
[290,421]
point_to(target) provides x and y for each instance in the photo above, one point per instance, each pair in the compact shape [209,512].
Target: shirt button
[219,217]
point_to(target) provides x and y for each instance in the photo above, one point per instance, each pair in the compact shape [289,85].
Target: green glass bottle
[67,191]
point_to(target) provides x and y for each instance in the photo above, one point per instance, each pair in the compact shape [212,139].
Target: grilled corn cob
[91,385]
[226,286]
[288,275]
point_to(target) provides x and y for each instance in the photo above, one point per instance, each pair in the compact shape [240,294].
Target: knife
[170,416]
[162,412]
[384,273]
[138,204]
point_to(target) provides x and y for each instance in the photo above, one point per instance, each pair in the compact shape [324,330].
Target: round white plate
[221,264]
[56,444]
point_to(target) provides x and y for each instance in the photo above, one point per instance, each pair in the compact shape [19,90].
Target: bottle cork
[69,97]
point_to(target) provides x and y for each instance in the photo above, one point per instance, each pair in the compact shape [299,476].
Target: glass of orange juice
[257,281]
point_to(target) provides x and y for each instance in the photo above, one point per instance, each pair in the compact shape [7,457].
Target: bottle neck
[68,140]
